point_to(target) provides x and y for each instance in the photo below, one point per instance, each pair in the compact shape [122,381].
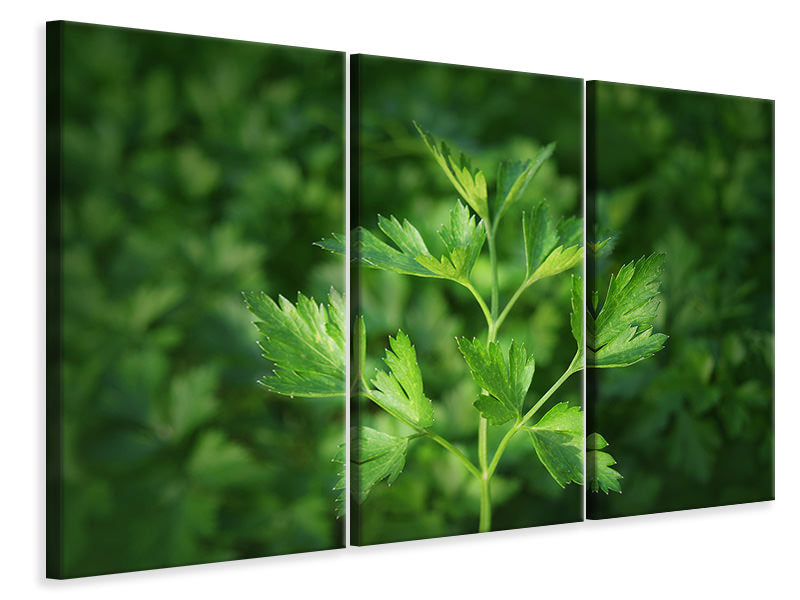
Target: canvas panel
[686,179]
[422,260]
[183,171]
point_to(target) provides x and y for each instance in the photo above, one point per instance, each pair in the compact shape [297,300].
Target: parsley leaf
[341,482]
[305,341]
[512,179]
[377,456]
[576,316]
[463,239]
[400,392]
[378,254]
[506,382]
[598,466]
[621,334]
[558,441]
[602,242]
[549,248]
[469,182]
[335,244]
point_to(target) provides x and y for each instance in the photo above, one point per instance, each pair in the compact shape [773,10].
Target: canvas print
[182,172]
[467,300]
[681,292]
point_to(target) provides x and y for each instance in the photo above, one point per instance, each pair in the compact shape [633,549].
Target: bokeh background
[690,175]
[193,168]
[492,116]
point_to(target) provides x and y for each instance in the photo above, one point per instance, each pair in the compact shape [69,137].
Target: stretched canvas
[680,207]
[183,171]
[466,409]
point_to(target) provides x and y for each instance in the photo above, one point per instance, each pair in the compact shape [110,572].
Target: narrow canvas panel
[681,215]
[183,171]
[467,406]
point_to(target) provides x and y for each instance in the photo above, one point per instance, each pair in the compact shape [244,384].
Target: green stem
[456,452]
[485,520]
[493,261]
[511,303]
[487,315]
[519,424]
[483,454]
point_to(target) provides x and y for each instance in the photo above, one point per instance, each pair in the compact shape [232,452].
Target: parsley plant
[306,340]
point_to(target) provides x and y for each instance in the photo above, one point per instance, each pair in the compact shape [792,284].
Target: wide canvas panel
[183,171]
[680,198]
[438,256]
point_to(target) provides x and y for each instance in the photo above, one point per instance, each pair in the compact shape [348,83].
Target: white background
[733,47]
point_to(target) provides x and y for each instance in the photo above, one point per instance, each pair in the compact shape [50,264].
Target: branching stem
[422,432]
[485,520]
[573,367]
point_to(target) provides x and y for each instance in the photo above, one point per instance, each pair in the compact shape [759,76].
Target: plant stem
[456,452]
[487,315]
[422,432]
[519,424]
[511,303]
[493,261]
[485,520]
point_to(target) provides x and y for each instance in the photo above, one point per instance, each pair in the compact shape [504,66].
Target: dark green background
[690,175]
[193,168]
[492,116]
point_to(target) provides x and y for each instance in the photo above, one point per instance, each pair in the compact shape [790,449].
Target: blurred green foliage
[193,169]
[491,116]
[691,175]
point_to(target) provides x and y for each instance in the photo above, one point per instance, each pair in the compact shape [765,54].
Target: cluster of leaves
[298,339]
[179,155]
[693,426]
[619,335]
[550,248]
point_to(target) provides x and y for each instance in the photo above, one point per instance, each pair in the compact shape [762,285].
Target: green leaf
[375,253]
[512,179]
[400,392]
[507,382]
[621,334]
[576,316]
[360,350]
[305,341]
[596,442]
[463,239]
[335,244]
[603,243]
[340,488]
[599,472]
[550,249]
[558,441]
[469,182]
[376,456]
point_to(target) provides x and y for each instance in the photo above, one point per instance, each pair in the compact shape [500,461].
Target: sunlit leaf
[376,456]
[512,179]
[558,441]
[550,248]
[621,334]
[470,183]
[305,341]
[399,392]
[506,382]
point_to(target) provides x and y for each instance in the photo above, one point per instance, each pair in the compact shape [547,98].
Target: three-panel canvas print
[554,300]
